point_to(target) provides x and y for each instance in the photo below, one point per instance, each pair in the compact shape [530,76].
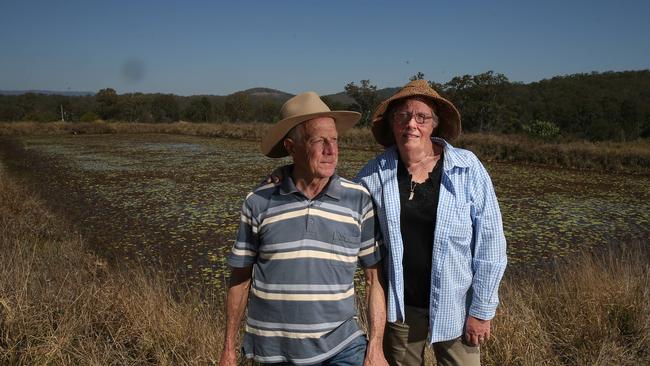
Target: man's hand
[477,331]
[375,355]
[228,358]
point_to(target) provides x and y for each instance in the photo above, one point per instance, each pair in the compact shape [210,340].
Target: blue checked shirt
[469,247]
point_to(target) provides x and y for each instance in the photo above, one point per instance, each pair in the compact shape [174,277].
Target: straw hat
[296,110]
[448,116]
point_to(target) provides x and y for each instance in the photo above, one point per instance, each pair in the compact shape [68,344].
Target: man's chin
[326,173]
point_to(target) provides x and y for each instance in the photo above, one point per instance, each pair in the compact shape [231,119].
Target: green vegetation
[366,98]
[542,130]
[89,117]
[597,107]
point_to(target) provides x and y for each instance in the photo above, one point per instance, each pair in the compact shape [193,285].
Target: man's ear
[288,145]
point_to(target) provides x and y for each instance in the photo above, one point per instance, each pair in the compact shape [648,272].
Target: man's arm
[376,300]
[240,281]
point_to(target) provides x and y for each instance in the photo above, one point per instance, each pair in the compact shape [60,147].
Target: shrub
[543,130]
[89,117]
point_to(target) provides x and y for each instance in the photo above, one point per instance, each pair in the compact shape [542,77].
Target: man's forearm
[376,300]
[235,305]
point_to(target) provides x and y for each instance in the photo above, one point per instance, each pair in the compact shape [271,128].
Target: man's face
[316,154]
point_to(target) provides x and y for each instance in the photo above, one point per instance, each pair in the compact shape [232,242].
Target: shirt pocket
[345,249]
[460,226]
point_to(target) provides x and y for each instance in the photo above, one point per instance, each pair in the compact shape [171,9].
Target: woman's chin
[410,142]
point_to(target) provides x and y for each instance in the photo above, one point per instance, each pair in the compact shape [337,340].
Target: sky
[220,47]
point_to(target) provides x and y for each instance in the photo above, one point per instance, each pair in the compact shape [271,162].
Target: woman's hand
[278,174]
[477,331]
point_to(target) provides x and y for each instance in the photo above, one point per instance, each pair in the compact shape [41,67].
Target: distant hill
[343,98]
[267,92]
[337,98]
[47,92]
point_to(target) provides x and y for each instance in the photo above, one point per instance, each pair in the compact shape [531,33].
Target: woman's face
[413,122]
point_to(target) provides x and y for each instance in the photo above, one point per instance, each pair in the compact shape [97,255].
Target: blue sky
[214,47]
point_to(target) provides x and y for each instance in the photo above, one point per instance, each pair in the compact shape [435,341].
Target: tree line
[593,106]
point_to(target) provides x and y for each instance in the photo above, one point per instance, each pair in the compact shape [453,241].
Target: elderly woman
[442,226]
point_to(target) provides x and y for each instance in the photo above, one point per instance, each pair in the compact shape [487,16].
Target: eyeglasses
[404,117]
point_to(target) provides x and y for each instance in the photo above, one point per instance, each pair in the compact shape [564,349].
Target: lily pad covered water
[174,200]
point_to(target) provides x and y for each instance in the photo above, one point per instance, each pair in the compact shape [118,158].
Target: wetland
[172,202]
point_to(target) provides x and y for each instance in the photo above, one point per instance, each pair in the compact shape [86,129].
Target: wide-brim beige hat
[448,117]
[296,110]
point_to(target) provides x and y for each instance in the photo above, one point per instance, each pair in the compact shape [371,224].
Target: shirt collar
[332,189]
[451,156]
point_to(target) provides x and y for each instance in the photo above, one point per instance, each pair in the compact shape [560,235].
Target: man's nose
[329,147]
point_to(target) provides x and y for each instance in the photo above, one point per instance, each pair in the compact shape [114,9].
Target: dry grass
[62,305]
[593,310]
[631,157]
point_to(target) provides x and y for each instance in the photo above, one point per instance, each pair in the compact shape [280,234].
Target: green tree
[435,86]
[333,104]
[365,95]
[237,107]
[107,103]
[267,110]
[136,107]
[164,108]
[481,100]
[418,76]
[199,110]
[630,121]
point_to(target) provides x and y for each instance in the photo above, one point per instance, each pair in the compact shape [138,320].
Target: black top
[418,223]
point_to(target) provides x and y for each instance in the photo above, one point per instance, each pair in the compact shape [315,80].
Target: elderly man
[297,247]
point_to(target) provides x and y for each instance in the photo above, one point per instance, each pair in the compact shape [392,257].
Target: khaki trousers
[404,343]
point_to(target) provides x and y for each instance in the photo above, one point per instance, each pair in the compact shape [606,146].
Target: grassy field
[61,304]
[633,157]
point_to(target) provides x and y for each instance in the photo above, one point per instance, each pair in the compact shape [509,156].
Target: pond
[174,200]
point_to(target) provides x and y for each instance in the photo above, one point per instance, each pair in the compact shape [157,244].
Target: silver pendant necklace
[413,184]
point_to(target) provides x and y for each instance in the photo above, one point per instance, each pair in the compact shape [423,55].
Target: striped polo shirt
[304,254]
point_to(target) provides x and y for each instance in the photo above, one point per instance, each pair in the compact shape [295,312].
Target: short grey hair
[296,133]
